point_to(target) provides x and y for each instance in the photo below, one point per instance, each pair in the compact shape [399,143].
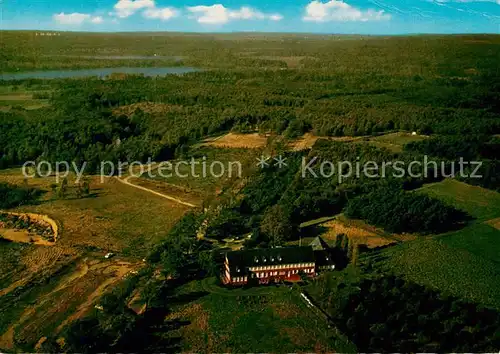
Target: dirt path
[113,272]
[126,181]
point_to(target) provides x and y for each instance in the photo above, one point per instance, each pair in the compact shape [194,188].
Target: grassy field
[482,204]
[24,96]
[358,232]
[200,180]
[114,217]
[73,273]
[463,263]
[265,319]
[395,141]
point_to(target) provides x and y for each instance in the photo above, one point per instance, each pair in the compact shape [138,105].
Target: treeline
[469,148]
[12,196]
[400,211]
[389,314]
[274,201]
[83,123]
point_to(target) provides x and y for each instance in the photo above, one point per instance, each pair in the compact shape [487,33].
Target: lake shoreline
[101,73]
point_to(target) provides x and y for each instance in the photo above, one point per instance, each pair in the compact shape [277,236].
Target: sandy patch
[7,339]
[234,140]
[39,344]
[41,220]
[495,223]
[308,140]
[356,234]
[24,236]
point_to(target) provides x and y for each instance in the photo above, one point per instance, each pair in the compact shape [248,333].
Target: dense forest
[389,314]
[452,148]
[275,201]
[434,92]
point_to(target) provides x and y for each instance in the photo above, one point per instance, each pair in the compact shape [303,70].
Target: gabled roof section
[318,244]
[239,261]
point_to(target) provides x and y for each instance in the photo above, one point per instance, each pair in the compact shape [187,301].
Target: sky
[317,16]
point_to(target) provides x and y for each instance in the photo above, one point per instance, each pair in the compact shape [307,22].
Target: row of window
[282,266]
[291,272]
[331,266]
[239,279]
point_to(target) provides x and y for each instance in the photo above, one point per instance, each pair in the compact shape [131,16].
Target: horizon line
[259,33]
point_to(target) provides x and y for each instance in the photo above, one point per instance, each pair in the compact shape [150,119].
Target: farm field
[463,263]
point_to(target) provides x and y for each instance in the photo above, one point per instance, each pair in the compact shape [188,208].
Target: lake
[100,72]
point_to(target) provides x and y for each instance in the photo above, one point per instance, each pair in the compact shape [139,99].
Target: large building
[266,265]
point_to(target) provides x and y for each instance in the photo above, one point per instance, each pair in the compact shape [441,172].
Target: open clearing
[495,223]
[482,204]
[20,96]
[213,169]
[75,290]
[73,273]
[392,141]
[234,140]
[24,236]
[115,217]
[308,140]
[463,263]
[358,232]
[178,194]
[277,320]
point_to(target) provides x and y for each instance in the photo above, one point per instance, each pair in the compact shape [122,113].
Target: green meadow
[463,263]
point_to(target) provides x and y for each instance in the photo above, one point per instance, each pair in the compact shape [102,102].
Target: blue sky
[316,16]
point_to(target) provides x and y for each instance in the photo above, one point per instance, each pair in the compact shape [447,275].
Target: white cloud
[97,20]
[338,10]
[163,14]
[74,18]
[218,14]
[276,17]
[126,8]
